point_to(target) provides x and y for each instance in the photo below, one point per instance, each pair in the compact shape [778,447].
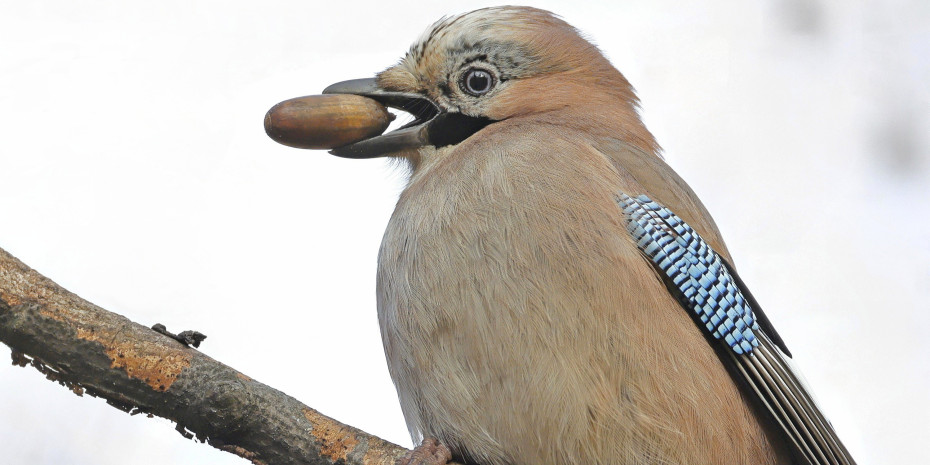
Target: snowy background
[135,172]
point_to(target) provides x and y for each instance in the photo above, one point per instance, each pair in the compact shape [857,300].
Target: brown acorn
[326,121]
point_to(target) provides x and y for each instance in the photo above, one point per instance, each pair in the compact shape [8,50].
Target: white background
[134,171]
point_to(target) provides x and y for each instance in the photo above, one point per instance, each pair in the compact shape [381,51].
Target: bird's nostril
[422,111]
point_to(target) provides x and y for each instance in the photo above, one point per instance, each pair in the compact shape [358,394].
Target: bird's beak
[431,125]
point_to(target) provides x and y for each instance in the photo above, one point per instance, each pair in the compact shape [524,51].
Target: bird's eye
[477,82]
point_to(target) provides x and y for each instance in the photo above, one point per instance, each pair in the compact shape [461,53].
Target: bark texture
[138,370]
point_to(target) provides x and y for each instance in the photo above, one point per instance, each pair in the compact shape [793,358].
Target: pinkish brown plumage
[521,321]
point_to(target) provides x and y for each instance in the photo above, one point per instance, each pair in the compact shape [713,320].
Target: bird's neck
[602,106]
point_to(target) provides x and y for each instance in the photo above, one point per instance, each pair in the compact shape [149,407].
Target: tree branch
[138,370]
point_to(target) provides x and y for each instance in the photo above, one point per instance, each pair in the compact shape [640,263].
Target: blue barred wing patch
[694,269]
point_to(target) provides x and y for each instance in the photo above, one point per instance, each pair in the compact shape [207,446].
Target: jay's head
[476,69]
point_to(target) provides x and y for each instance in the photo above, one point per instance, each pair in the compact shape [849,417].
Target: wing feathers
[795,391]
[678,254]
[779,389]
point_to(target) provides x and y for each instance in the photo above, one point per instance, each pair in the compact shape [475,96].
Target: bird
[549,290]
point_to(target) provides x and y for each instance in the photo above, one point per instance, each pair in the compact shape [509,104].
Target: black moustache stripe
[452,128]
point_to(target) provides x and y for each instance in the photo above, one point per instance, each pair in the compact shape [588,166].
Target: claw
[429,452]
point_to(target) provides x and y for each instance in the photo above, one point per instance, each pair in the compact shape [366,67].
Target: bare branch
[138,370]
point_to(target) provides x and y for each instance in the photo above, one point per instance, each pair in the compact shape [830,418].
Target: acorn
[326,122]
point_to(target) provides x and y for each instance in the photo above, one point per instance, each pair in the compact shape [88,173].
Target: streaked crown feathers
[521,41]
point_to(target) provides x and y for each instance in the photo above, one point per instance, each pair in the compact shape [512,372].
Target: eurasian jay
[549,290]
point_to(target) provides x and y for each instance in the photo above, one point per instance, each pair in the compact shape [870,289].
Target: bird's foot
[429,452]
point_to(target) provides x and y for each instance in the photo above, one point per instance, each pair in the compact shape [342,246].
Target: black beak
[430,126]
[410,136]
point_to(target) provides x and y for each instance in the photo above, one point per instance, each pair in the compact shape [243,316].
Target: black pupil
[478,81]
